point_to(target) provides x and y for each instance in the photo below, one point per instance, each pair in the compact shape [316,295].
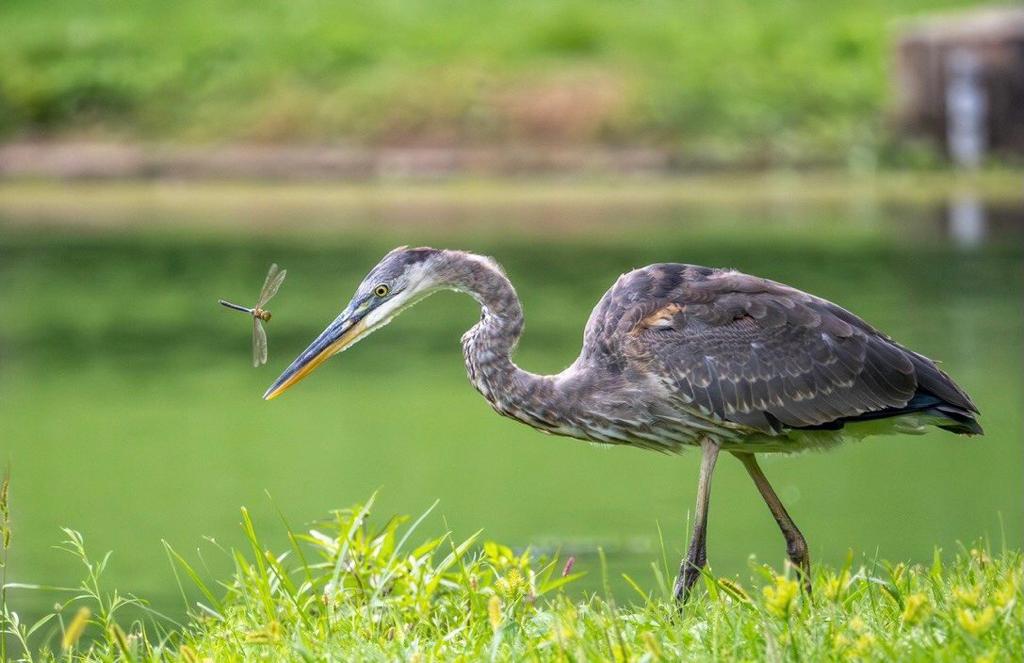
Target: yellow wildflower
[779,598]
[835,585]
[76,628]
[969,597]
[857,624]
[976,624]
[494,612]
[915,609]
[512,585]
[840,641]
[1005,595]
[515,580]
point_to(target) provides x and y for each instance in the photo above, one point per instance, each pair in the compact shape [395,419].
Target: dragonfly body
[259,314]
[254,312]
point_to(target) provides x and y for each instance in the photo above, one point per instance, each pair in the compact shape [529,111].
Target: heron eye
[381,290]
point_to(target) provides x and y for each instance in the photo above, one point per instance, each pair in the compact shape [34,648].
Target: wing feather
[755,352]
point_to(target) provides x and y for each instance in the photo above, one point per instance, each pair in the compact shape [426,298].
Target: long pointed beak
[339,335]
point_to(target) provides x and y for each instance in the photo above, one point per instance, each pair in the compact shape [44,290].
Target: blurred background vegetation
[733,81]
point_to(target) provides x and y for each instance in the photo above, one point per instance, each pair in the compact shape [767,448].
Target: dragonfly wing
[259,343]
[267,284]
[270,274]
[272,285]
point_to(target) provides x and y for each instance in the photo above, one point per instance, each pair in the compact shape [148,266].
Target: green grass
[733,79]
[360,588]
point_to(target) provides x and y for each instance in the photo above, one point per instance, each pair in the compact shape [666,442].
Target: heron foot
[796,544]
[796,551]
[696,554]
[689,572]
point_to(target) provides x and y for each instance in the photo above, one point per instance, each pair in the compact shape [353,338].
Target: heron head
[402,277]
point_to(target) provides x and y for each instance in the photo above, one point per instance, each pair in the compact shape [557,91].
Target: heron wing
[275,277]
[761,354]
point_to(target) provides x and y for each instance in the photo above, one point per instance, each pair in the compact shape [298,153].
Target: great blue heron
[676,356]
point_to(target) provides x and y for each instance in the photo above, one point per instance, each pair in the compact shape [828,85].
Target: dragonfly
[275,277]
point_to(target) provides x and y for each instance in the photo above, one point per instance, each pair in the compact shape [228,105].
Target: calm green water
[129,411]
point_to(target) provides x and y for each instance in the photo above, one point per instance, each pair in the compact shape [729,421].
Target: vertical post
[966,109]
[966,122]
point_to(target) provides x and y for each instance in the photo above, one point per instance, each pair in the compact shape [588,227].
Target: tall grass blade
[217,607]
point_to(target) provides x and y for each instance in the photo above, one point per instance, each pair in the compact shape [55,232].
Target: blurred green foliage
[732,79]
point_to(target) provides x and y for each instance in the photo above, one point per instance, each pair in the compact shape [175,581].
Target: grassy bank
[464,210]
[732,80]
[361,588]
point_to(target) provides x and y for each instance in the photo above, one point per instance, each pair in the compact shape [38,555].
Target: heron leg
[796,545]
[696,556]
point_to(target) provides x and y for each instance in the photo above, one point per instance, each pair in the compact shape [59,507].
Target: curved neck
[488,345]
